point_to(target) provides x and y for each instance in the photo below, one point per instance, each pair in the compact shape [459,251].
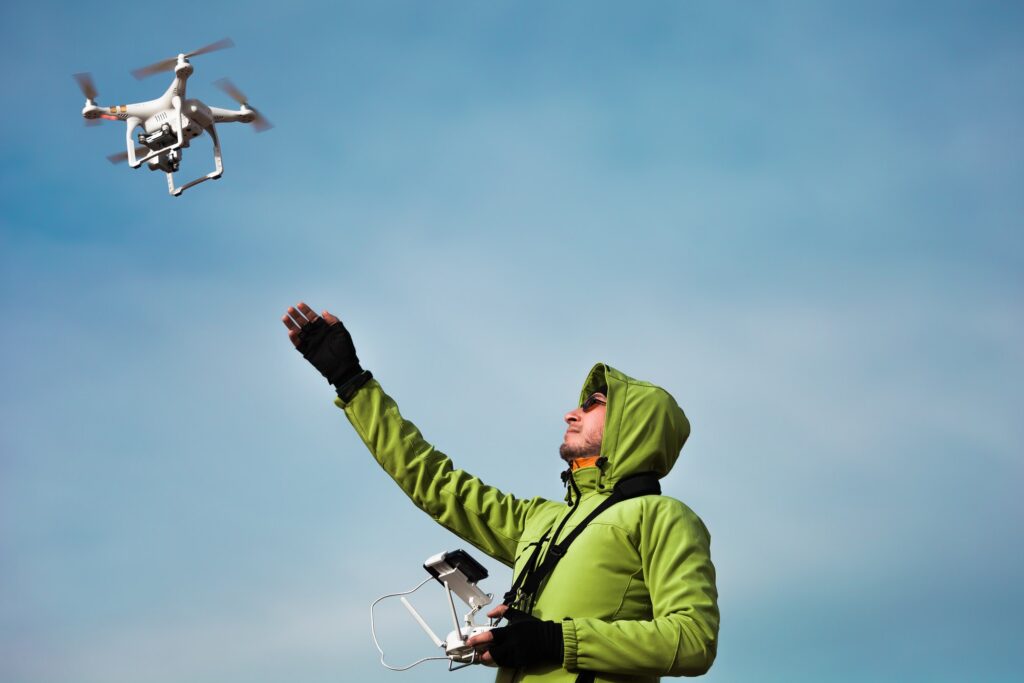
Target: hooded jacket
[635,593]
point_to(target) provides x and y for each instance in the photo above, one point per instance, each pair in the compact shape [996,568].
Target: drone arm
[231,115]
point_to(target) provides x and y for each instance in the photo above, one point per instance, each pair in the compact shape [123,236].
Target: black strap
[528,568]
[529,581]
[511,597]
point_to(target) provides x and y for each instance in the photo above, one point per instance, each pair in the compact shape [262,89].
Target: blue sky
[803,219]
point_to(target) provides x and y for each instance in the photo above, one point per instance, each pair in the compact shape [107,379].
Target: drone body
[165,126]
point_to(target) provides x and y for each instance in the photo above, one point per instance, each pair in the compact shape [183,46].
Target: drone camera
[158,139]
[168,163]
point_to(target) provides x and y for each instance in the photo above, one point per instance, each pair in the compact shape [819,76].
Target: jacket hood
[644,427]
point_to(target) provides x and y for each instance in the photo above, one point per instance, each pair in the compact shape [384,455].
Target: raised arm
[483,515]
[480,514]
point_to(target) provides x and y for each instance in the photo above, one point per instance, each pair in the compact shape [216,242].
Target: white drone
[170,122]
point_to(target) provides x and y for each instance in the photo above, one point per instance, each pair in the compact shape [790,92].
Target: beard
[587,449]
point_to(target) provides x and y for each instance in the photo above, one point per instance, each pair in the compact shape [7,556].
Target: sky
[803,219]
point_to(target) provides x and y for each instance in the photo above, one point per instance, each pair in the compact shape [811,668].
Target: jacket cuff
[344,404]
[569,644]
[347,390]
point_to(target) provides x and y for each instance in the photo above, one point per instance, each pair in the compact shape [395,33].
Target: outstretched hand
[326,344]
[300,315]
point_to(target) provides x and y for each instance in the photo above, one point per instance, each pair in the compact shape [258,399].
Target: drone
[170,122]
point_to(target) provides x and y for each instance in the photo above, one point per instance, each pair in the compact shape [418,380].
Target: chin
[570,452]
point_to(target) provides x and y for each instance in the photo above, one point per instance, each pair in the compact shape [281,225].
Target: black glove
[526,641]
[330,350]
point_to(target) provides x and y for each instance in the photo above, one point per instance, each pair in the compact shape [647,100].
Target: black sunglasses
[592,400]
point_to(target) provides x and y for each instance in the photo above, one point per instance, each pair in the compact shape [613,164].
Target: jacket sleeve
[681,638]
[489,519]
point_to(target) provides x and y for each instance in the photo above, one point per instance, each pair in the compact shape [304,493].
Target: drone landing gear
[216,173]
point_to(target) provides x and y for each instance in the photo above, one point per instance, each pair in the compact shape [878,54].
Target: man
[616,585]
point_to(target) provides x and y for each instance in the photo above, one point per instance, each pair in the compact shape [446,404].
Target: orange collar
[580,463]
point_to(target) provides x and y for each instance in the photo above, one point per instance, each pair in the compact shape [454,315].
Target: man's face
[585,429]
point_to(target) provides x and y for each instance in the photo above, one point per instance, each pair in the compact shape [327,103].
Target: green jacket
[635,592]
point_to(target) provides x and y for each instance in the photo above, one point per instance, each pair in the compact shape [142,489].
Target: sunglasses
[593,400]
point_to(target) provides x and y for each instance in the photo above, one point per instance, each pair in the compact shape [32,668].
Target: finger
[293,330]
[498,612]
[480,639]
[487,659]
[299,319]
[329,317]
[307,311]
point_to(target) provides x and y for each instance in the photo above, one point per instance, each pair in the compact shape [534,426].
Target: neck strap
[526,587]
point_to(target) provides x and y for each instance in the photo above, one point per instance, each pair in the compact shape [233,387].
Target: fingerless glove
[330,350]
[526,641]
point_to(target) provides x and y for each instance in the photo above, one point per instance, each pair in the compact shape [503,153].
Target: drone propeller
[86,84]
[171,62]
[260,123]
[88,88]
[231,90]
[123,156]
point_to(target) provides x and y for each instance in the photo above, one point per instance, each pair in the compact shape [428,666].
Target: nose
[574,415]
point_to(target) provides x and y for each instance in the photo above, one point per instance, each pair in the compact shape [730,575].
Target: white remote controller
[455,644]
